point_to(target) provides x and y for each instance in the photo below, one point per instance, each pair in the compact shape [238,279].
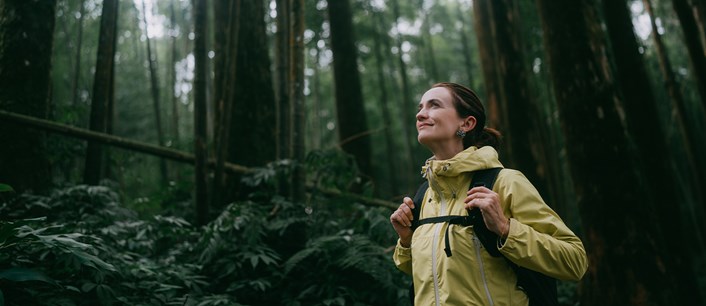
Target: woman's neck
[447,151]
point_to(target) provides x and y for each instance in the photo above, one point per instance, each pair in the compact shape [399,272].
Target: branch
[167,153]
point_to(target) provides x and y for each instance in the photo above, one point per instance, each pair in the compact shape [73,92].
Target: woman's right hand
[401,220]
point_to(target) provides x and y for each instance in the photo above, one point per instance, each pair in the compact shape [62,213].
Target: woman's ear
[469,123]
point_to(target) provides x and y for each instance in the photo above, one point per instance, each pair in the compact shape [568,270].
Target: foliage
[87,248]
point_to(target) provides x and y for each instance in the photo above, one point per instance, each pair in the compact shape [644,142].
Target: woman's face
[438,120]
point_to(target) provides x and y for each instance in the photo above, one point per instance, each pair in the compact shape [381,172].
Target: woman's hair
[467,104]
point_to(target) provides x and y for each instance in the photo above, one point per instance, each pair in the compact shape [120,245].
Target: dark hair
[467,104]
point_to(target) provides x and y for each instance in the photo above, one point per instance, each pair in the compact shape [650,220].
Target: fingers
[403,215]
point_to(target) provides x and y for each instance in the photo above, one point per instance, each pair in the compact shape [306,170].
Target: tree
[617,212]
[253,96]
[26,33]
[154,82]
[483,26]
[352,124]
[102,90]
[641,112]
[200,115]
[296,98]
[79,41]
[693,44]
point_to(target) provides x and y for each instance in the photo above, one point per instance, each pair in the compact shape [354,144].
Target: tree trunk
[427,42]
[654,152]
[522,140]
[386,114]
[102,90]
[200,115]
[254,99]
[151,60]
[407,104]
[465,48]
[26,33]
[630,262]
[693,44]
[296,98]
[225,102]
[483,26]
[172,74]
[282,106]
[409,164]
[352,123]
[77,67]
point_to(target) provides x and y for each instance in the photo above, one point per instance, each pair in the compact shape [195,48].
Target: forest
[250,152]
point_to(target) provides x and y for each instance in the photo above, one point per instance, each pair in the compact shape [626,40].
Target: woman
[451,123]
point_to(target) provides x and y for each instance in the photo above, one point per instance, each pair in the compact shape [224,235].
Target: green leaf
[23,274]
[6,188]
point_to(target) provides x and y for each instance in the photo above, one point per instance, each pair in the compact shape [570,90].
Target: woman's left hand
[489,204]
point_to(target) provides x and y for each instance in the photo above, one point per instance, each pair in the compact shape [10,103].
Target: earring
[461,133]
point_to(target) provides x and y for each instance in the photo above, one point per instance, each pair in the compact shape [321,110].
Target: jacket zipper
[434,270]
[476,243]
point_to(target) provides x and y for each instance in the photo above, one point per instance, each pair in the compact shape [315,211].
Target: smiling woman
[517,228]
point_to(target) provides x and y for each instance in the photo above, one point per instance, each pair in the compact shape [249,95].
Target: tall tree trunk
[690,136]
[282,106]
[642,113]
[226,102]
[26,33]
[483,25]
[693,45]
[465,47]
[172,73]
[296,98]
[102,90]
[522,140]
[77,67]
[386,114]
[427,42]
[253,98]
[200,115]
[407,104]
[151,60]
[635,267]
[352,123]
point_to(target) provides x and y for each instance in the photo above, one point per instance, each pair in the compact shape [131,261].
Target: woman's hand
[401,221]
[489,204]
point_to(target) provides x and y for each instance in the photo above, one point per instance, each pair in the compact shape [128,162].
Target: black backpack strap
[418,198]
[485,178]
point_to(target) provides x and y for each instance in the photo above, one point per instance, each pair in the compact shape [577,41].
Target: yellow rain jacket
[538,238]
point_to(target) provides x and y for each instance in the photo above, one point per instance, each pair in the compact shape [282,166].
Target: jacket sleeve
[403,258]
[538,238]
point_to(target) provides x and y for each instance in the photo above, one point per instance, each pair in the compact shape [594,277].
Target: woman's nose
[421,114]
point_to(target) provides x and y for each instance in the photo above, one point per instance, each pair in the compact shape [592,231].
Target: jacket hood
[468,160]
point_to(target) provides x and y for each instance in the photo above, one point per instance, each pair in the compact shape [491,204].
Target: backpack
[540,289]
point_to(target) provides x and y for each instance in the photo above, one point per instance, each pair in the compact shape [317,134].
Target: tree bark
[483,24]
[690,137]
[26,33]
[352,121]
[522,140]
[636,266]
[253,98]
[654,152]
[200,113]
[693,45]
[102,90]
